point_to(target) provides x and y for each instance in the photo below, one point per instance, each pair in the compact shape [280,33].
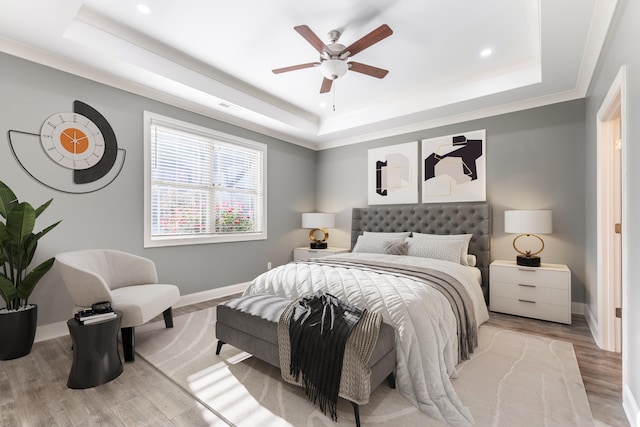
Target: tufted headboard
[446,218]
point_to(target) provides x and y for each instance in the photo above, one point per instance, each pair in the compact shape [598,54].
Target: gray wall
[535,160]
[113,216]
[620,49]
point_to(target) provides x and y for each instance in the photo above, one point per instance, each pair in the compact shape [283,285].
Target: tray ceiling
[216,58]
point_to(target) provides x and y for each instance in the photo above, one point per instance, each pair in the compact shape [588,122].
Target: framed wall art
[454,168]
[393,174]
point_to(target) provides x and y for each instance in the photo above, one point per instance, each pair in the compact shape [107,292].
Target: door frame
[613,104]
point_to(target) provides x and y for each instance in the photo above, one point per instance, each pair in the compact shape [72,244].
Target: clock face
[72,140]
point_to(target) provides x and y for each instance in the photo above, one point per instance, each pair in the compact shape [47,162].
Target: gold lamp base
[528,258]
[318,243]
[528,261]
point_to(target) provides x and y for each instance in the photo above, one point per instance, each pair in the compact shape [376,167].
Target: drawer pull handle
[526,286]
[526,300]
[533,270]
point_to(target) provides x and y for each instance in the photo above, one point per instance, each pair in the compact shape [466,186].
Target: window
[201,186]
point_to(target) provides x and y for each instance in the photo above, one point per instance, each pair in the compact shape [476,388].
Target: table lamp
[318,222]
[528,223]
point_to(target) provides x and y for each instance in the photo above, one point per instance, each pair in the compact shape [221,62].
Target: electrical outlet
[269,265]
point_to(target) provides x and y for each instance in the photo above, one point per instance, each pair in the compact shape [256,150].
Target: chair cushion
[141,303]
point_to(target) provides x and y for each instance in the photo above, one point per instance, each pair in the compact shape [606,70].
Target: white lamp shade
[527,221]
[333,68]
[318,220]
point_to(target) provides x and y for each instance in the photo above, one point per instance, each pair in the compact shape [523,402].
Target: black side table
[95,352]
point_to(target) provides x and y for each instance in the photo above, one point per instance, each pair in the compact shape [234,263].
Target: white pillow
[464,238]
[373,243]
[471,260]
[447,250]
[398,235]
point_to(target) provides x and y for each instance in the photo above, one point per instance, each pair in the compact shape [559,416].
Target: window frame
[149,118]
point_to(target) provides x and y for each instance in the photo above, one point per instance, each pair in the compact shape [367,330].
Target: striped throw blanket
[325,346]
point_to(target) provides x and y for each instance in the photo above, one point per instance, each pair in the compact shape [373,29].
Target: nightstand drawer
[537,310]
[531,276]
[535,293]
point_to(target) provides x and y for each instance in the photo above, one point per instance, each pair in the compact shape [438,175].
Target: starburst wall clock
[77,151]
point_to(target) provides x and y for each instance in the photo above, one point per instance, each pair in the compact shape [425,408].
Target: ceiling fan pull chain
[334,96]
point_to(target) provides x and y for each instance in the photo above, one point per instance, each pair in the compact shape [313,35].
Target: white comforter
[426,331]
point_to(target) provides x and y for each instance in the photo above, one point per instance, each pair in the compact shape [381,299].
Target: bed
[434,304]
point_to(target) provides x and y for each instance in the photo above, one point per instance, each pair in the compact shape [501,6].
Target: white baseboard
[577,308]
[211,294]
[51,331]
[593,324]
[59,329]
[631,408]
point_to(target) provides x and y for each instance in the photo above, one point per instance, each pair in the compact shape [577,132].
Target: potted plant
[18,320]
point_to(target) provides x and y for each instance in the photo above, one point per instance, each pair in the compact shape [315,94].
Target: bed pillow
[373,243]
[447,250]
[464,238]
[396,247]
[471,260]
[395,235]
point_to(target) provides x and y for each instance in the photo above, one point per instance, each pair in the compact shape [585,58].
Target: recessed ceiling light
[143,8]
[486,52]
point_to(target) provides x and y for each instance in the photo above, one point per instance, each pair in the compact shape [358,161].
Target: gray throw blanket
[451,288]
[319,329]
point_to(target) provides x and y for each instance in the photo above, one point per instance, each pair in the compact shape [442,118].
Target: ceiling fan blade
[326,85]
[312,38]
[295,67]
[368,70]
[380,33]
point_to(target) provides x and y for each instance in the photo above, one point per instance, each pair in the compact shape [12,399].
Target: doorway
[612,282]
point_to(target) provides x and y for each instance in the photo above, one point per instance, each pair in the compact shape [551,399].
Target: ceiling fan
[333,57]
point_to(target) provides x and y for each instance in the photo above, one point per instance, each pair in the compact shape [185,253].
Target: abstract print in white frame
[393,174]
[454,168]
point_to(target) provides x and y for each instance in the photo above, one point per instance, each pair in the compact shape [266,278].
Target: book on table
[88,316]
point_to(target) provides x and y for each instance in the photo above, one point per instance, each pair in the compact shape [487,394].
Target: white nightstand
[306,253]
[540,292]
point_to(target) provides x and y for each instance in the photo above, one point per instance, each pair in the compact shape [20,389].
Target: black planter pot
[17,332]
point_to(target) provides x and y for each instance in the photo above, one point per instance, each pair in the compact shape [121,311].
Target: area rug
[512,379]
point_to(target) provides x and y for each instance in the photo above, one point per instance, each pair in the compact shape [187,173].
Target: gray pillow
[372,243]
[396,248]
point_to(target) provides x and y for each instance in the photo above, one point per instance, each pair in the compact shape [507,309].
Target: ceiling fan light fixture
[333,57]
[333,69]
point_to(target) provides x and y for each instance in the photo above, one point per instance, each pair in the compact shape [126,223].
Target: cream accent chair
[128,281]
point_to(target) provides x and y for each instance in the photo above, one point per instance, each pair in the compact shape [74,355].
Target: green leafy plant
[18,244]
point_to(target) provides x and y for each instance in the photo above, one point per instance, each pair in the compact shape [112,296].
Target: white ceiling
[215,58]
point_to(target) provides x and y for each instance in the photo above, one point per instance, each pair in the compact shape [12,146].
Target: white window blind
[203,184]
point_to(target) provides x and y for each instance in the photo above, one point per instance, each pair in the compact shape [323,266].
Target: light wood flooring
[33,389]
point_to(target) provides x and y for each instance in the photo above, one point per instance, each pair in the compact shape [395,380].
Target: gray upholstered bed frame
[446,218]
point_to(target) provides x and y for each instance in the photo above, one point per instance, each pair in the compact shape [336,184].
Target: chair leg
[219,347]
[356,413]
[168,318]
[128,343]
